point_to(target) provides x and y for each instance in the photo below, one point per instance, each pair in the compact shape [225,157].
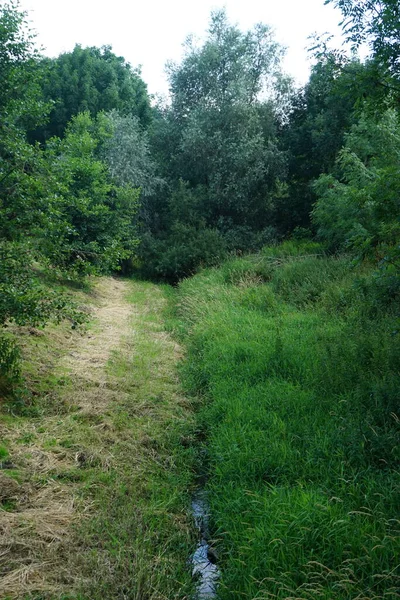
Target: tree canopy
[374,23]
[91,79]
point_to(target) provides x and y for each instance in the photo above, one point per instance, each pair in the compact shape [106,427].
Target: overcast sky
[150,32]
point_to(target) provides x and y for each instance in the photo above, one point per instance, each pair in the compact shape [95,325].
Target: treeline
[94,178]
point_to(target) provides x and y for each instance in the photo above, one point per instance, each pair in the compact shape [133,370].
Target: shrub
[294,248]
[181,253]
[359,208]
[24,300]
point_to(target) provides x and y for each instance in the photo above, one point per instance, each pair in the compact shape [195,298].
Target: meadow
[293,357]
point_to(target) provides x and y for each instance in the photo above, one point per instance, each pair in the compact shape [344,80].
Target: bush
[181,253]
[245,239]
[359,208]
[24,300]
[294,248]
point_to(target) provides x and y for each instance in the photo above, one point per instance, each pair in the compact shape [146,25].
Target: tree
[359,208]
[231,67]
[22,207]
[217,149]
[378,25]
[93,226]
[322,112]
[228,124]
[17,52]
[127,154]
[92,80]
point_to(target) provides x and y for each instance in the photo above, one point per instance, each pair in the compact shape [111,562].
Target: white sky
[150,32]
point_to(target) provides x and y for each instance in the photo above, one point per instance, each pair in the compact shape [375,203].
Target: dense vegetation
[293,347]
[62,213]
[90,80]
[296,362]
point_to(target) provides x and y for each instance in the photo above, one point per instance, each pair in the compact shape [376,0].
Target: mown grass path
[95,491]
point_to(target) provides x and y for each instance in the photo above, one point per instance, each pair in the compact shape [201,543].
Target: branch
[388,86]
[6,175]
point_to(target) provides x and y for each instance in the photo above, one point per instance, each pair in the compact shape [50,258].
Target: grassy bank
[296,359]
[98,457]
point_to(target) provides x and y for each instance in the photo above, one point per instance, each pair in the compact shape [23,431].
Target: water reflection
[203,560]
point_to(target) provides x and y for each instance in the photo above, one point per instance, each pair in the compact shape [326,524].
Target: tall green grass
[296,359]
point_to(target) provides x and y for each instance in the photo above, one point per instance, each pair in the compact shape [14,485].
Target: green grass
[140,537]
[3,452]
[296,364]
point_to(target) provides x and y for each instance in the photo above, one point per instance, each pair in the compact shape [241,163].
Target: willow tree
[223,121]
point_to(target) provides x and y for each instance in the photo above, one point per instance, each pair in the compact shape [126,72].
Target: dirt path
[111,322]
[35,530]
[86,362]
[93,499]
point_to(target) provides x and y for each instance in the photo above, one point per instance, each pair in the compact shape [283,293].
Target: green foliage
[219,137]
[247,270]
[127,154]
[26,301]
[3,452]
[94,226]
[321,115]
[180,254]
[185,242]
[230,68]
[299,404]
[59,209]
[91,80]
[294,248]
[304,280]
[227,140]
[21,205]
[378,25]
[9,365]
[23,176]
[17,55]
[339,91]
[23,299]
[65,202]
[243,238]
[359,208]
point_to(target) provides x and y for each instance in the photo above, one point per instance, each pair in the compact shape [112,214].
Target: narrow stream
[203,560]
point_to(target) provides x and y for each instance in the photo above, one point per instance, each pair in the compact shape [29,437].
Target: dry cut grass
[99,419]
[38,510]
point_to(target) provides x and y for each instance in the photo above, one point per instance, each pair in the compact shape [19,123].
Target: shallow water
[205,571]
